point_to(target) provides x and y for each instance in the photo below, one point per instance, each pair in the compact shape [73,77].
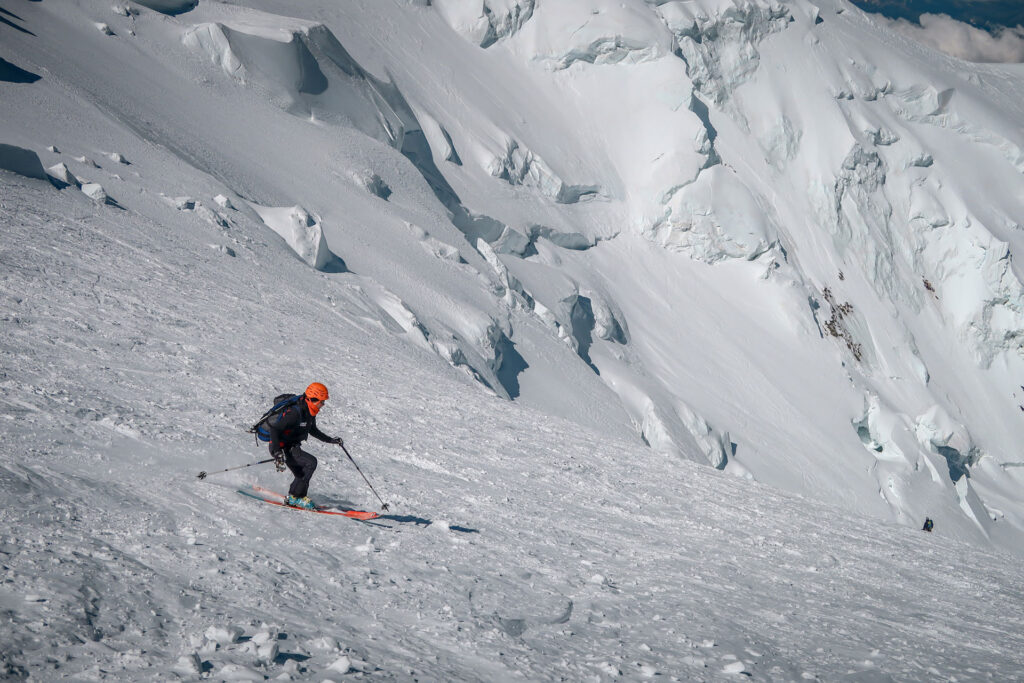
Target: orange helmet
[316,394]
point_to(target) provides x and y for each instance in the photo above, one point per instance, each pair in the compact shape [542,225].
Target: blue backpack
[281,403]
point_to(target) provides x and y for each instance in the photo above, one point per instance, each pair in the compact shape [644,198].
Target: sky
[975,30]
[989,14]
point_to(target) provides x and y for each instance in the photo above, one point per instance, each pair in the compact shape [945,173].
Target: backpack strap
[281,403]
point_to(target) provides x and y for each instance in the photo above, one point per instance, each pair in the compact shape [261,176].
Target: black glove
[337,440]
[278,457]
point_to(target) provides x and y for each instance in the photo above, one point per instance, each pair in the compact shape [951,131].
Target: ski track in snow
[527,549]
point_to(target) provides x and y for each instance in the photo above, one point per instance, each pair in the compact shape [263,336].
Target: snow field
[520,545]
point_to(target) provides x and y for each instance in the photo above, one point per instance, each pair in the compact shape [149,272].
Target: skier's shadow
[344,504]
[419,521]
[407,519]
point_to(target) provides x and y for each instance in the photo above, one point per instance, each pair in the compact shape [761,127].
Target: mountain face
[771,237]
[794,232]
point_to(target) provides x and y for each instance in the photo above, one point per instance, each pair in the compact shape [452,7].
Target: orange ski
[278,499]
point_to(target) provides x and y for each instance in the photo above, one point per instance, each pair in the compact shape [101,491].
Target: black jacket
[292,426]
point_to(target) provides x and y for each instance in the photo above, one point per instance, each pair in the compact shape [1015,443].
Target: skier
[288,429]
[928,524]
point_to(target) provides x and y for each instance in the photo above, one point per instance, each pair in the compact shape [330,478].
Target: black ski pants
[302,465]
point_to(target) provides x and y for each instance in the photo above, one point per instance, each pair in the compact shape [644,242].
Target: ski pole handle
[203,475]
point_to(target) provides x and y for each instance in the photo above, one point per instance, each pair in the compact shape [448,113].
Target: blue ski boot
[305,503]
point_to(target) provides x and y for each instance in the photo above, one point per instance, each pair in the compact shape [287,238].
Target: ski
[278,499]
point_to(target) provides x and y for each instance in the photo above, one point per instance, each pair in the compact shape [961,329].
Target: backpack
[281,402]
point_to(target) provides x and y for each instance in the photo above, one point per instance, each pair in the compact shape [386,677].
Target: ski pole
[203,475]
[383,505]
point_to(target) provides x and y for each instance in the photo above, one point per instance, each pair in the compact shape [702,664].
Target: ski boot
[305,503]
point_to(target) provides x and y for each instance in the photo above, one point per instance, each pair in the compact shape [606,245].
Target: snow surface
[661,326]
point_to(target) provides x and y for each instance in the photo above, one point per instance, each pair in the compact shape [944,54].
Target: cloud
[963,40]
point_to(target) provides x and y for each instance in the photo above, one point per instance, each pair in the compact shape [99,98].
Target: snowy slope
[596,213]
[544,255]
[518,545]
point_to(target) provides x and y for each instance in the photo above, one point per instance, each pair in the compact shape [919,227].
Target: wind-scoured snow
[661,326]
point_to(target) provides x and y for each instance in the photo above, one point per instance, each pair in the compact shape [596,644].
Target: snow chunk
[189,664]
[210,216]
[21,161]
[182,203]
[882,136]
[62,173]
[716,448]
[325,643]
[301,230]
[267,652]
[735,668]
[511,241]
[265,635]
[223,202]
[372,183]
[226,250]
[224,635]
[95,192]
[103,28]
[342,665]
[922,160]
